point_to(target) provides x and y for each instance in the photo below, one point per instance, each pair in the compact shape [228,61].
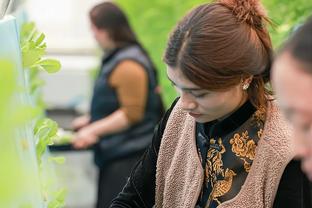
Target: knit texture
[179,174]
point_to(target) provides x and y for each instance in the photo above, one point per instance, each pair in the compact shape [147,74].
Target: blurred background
[68,37]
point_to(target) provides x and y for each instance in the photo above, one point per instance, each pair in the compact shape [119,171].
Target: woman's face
[293,87]
[202,104]
[102,37]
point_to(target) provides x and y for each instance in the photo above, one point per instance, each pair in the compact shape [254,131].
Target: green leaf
[7,80]
[58,160]
[45,129]
[36,83]
[27,31]
[50,65]
[59,199]
[31,56]
[40,39]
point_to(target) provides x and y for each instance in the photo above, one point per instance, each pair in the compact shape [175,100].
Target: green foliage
[45,130]
[58,160]
[34,48]
[7,81]
[286,16]
[12,116]
[154,19]
[58,200]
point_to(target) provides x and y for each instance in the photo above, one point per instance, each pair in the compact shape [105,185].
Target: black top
[227,149]
[293,190]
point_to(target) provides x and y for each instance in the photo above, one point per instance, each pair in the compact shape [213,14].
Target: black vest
[104,102]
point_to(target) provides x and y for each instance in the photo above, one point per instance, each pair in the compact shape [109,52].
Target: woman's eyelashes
[201,95]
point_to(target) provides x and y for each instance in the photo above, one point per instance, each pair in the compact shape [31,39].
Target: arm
[139,191]
[131,95]
[80,122]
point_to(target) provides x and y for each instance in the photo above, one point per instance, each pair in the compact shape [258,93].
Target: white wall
[65,22]
[69,39]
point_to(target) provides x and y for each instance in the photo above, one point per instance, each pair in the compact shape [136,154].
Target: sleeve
[139,190]
[130,80]
[294,189]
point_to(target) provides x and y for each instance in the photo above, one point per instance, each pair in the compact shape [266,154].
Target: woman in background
[224,142]
[125,105]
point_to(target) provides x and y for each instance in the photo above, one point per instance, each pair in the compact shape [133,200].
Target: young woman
[125,104]
[223,143]
[292,79]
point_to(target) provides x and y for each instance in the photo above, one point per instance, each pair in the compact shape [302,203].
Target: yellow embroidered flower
[244,147]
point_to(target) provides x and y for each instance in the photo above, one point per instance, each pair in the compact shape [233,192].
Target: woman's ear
[246,82]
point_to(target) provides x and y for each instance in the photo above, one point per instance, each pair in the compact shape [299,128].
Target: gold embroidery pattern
[258,117]
[244,147]
[221,187]
[260,133]
[214,168]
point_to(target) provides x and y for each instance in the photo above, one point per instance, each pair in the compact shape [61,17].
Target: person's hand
[80,122]
[84,138]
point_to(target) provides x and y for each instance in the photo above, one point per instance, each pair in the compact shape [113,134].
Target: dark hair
[218,44]
[300,45]
[110,17]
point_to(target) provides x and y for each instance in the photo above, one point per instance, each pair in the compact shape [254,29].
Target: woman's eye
[200,95]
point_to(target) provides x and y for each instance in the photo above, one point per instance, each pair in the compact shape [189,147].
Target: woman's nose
[187,102]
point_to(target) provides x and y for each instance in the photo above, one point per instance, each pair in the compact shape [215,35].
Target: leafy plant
[13,117]
[34,48]
[45,130]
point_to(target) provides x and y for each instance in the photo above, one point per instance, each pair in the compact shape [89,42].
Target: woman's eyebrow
[185,88]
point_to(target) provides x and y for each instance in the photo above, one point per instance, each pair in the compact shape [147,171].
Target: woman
[223,143]
[292,79]
[125,104]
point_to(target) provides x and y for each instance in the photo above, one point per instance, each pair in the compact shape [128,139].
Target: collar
[221,128]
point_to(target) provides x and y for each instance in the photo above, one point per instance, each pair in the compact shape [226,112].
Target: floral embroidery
[244,147]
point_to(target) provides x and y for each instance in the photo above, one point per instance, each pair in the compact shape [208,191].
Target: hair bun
[249,11]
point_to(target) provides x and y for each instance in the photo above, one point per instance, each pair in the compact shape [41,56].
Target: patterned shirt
[227,150]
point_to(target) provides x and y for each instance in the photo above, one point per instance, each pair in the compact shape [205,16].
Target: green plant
[17,178]
[45,130]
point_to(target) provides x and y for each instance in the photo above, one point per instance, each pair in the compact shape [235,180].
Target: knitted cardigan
[179,174]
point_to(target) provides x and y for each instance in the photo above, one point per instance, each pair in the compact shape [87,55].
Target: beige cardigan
[179,175]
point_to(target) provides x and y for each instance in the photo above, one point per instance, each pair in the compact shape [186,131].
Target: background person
[292,81]
[125,105]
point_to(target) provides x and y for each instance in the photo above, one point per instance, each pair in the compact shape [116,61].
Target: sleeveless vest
[180,176]
[104,102]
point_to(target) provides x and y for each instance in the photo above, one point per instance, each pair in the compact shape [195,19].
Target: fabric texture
[139,192]
[179,174]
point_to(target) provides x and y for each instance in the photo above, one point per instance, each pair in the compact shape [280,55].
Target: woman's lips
[195,115]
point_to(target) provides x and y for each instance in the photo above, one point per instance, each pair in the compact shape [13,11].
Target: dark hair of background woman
[110,17]
[300,45]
